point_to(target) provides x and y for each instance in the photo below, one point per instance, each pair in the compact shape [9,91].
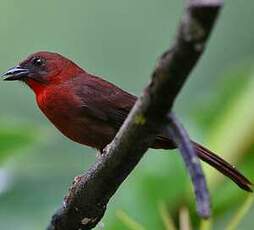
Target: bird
[90,110]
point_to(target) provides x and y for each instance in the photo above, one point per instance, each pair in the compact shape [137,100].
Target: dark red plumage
[90,110]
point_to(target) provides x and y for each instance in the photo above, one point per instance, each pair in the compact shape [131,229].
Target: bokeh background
[121,41]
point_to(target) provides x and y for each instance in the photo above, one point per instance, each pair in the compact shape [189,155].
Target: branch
[86,202]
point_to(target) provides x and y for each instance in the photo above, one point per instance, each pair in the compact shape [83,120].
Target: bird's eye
[37,61]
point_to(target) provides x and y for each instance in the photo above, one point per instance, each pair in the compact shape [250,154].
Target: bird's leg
[102,151]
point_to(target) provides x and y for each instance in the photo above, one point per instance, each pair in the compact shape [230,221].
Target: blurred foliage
[14,137]
[121,40]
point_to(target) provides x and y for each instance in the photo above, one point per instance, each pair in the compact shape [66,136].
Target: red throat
[37,87]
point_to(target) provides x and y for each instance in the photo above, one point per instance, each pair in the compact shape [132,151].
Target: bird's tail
[222,166]
[212,159]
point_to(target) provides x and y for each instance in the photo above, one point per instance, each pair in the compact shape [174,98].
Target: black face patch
[37,68]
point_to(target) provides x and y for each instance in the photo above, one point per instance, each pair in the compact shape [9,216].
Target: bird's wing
[104,101]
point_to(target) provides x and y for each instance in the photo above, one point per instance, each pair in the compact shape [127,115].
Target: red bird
[90,110]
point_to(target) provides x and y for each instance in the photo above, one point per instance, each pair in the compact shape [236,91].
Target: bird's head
[42,69]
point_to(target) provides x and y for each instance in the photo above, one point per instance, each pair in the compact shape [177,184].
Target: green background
[121,41]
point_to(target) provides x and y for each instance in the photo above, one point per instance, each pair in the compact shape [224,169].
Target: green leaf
[128,221]
[241,213]
[232,131]
[167,219]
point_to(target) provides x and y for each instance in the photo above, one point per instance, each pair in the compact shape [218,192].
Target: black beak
[15,73]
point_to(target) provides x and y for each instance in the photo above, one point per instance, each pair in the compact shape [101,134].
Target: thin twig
[179,135]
